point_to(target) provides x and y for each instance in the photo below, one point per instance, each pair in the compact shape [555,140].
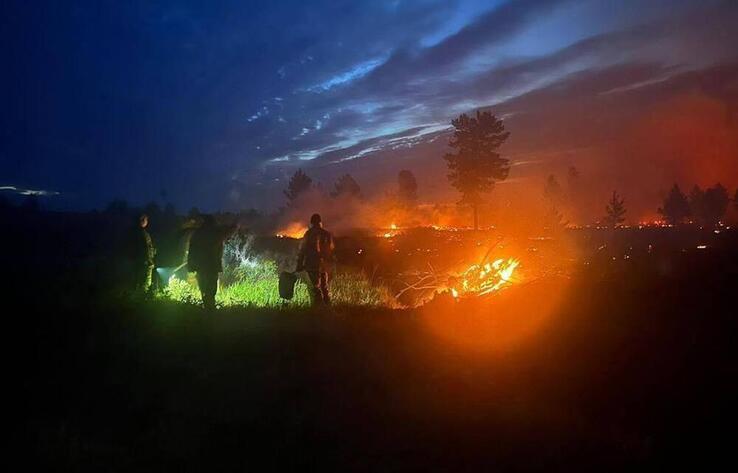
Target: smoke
[690,138]
[347,214]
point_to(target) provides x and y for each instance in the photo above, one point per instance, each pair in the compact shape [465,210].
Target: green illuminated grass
[256,284]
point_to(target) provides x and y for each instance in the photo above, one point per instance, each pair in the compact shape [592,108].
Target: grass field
[622,365]
[591,373]
[256,284]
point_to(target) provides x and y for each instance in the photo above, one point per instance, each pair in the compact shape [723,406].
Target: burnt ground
[619,367]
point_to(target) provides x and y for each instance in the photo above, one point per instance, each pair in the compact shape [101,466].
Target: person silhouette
[205,257]
[315,257]
[142,253]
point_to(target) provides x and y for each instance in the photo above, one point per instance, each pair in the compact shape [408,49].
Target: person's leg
[324,288]
[201,284]
[316,296]
[143,277]
[208,284]
[149,280]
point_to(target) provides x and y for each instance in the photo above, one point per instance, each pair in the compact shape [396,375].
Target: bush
[182,291]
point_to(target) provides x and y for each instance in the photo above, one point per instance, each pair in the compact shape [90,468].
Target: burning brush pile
[484,278]
[480,280]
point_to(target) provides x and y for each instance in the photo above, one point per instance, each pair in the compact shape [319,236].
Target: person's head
[315,220]
[143,220]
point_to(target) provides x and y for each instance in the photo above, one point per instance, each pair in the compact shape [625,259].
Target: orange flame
[480,280]
[293,230]
[393,231]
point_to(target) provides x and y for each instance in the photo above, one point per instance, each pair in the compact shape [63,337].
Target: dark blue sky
[105,99]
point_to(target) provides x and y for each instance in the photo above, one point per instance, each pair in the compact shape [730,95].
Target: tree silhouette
[117,207]
[552,189]
[299,184]
[153,210]
[407,187]
[475,164]
[615,211]
[675,207]
[170,210]
[553,220]
[346,186]
[715,204]
[697,204]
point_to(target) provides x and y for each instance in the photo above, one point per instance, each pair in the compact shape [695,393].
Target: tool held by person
[287,281]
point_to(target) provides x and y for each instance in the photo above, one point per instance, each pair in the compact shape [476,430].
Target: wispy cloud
[30,192]
[356,72]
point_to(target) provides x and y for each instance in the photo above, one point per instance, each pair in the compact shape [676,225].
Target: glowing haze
[214,103]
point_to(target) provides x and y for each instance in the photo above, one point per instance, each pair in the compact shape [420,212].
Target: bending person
[205,257]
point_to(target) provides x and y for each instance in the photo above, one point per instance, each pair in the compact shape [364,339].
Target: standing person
[142,255]
[205,257]
[315,257]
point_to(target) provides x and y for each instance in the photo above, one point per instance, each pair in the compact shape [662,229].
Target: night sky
[213,103]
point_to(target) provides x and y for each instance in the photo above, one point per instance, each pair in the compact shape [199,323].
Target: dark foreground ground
[630,363]
[617,371]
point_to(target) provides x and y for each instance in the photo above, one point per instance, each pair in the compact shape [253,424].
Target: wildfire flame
[480,280]
[293,230]
[392,231]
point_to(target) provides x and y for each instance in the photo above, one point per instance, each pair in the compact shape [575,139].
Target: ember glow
[480,280]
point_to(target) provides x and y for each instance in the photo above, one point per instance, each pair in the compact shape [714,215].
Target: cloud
[356,72]
[408,66]
[431,84]
[28,192]
[184,98]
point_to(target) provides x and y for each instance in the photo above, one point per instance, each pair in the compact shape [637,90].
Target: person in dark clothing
[142,254]
[316,257]
[205,257]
